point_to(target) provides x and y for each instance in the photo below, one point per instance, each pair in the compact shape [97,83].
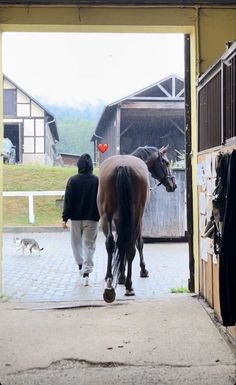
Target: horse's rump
[138,175]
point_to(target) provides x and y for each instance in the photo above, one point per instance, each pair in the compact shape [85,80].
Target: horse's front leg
[121,278]
[109,291]
[128,283]
[143,272]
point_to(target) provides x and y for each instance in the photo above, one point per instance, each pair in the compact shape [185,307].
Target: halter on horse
[122,195]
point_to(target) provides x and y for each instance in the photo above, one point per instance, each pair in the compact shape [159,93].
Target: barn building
[153,116]
[31,127]
[69,159]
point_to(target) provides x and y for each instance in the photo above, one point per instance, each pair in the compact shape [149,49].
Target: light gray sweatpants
[83,243]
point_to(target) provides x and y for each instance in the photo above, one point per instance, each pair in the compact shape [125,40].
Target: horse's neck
[143,153]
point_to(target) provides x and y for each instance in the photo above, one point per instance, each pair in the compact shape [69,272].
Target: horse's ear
[164,149]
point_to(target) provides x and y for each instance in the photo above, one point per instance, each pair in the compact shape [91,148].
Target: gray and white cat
[27,244]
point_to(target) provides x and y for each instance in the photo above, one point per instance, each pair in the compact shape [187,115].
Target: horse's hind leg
[121,272]
[109,292]
[128,283]
[110,246]
[143,272]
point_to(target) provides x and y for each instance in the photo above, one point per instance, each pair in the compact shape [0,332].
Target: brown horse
[122,195]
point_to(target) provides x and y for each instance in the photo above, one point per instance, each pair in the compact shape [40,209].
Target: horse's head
[159,167]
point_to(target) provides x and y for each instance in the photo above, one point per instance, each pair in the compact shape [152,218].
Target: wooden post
[31,209]
[117,142]
[1,162]
[223,103]
[188,149]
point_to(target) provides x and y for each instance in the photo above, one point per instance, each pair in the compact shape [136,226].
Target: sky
[73,68]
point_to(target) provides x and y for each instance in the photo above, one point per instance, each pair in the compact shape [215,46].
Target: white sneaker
[86,281]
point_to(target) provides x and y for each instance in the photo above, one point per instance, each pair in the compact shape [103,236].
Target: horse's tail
[125,223]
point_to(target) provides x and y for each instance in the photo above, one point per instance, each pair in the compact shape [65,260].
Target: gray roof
[168,89]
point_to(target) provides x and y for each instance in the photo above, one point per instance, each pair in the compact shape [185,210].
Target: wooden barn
[153,116]
[69,159]
[31,128]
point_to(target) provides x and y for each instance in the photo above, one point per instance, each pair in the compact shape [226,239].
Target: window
[9,102]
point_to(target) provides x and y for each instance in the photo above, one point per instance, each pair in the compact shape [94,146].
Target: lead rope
[155,186]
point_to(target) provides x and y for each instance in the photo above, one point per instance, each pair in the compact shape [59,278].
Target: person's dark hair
[85,163]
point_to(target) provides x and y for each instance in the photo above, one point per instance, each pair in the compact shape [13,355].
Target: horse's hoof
[129,293]
[121,280]
[109,295]
[144,273]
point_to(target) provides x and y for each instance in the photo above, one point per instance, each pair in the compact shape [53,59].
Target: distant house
[30,126]
[153,116]
[69,159]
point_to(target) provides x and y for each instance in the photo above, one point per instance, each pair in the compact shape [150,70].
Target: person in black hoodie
[80,206]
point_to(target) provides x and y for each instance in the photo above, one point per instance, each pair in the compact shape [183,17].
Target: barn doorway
[12,131]
[177,126]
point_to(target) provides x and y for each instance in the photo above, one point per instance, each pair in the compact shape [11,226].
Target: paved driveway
[53,276]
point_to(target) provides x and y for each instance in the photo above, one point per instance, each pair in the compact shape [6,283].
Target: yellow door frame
[134,20]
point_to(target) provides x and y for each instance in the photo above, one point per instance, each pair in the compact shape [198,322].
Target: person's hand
[64,225]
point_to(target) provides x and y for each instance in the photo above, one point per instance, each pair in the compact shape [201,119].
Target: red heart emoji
[103,147]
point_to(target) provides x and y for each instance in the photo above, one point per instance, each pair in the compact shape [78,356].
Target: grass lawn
[34,178]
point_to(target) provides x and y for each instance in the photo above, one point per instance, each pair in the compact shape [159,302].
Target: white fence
[30,195]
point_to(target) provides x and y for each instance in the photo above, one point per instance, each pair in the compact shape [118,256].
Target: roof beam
[127,128]
[177,126]
[119,2]
[164,90]
[168,105]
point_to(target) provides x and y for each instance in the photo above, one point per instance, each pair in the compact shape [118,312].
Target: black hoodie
[80,201]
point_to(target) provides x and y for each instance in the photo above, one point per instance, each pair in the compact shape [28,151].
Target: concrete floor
[54,331]
[164,341]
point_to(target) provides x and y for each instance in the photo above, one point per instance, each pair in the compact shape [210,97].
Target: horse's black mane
[144,152]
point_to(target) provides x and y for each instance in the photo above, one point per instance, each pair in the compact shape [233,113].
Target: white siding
[37,159]
[23,109]
[22,98]
[39,127]
[7,85]
[39,145]
[12,120]
[29,145]
[36,110]
[28,127]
